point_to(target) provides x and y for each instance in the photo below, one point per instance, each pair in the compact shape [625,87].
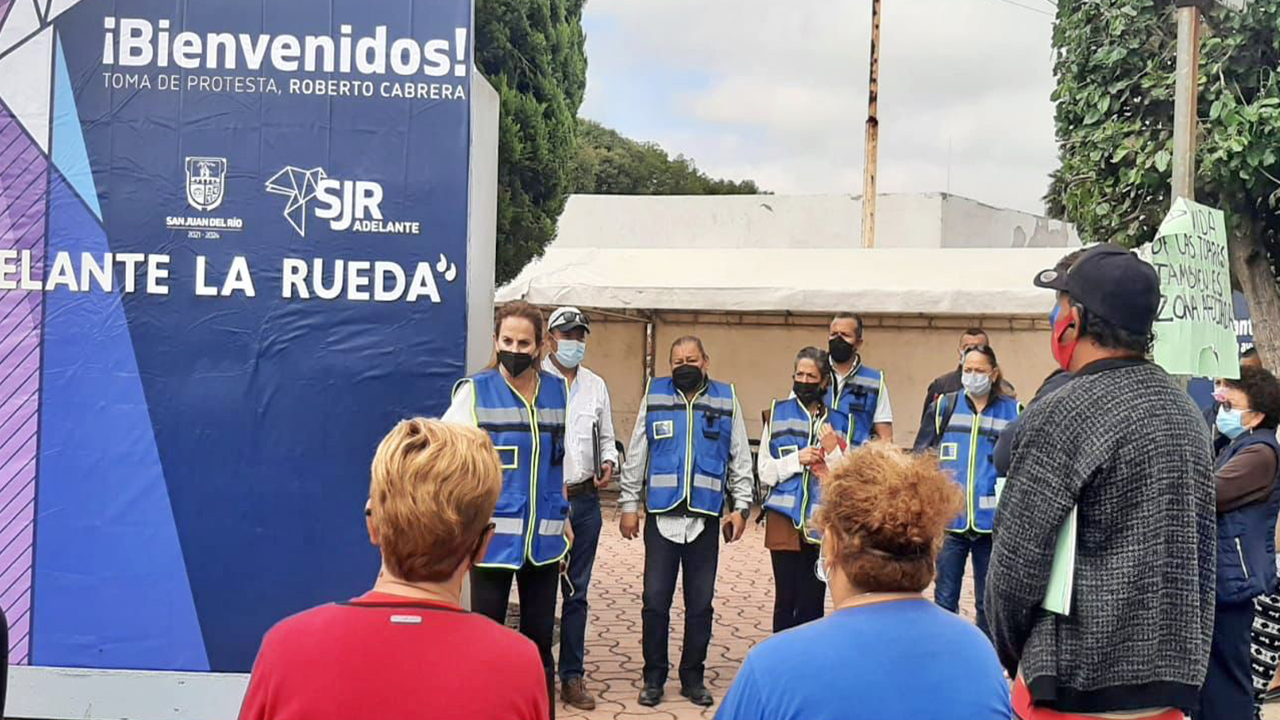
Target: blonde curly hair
[888,511]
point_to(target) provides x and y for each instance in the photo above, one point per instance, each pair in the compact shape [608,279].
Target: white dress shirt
[884,410]
[588,408]
[775,470]
[684,529]
[462,408]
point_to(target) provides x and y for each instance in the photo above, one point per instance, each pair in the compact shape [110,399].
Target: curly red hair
[888,511]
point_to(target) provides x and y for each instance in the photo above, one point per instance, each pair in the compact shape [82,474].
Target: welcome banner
[232,254]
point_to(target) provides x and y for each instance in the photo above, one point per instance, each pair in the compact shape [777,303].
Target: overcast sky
[777,91]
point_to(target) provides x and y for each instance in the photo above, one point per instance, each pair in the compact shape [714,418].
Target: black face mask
[840,349]
[515,363]
[687,378]
[807,392]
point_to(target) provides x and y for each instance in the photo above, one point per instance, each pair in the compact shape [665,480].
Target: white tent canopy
[966,282]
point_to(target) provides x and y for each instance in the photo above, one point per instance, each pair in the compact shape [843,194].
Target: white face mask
[975,383]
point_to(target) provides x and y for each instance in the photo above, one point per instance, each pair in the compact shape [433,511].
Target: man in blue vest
[689,452]
[857,390]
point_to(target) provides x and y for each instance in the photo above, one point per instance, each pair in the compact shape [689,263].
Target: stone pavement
[744,617]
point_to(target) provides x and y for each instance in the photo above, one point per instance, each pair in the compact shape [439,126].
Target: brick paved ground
[744,606]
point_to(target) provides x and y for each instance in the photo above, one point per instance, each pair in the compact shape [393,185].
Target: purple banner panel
[24,183]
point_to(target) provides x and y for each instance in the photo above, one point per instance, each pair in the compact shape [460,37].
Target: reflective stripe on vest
[529,441]
[858,400]
[965,449]
[790,430]
[689,446]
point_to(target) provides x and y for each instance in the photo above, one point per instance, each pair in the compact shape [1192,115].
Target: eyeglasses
[820,569]
[1226,404]
[484,535]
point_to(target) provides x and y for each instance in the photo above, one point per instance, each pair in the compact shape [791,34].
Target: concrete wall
[969,224]
[756,353]
[928,220]
[615,350]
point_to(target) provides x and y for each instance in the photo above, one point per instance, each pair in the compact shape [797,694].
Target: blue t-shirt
[901,659]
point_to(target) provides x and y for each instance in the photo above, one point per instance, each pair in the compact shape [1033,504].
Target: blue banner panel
[233,238]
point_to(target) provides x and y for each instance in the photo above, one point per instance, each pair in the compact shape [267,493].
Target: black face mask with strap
[515,363]
[687,378]
[807,393]
[840,349]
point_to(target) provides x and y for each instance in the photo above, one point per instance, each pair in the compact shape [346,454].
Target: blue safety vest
[858,399]
[966,449]
[1247,535]
[689,446]
[530,445]
[790,430]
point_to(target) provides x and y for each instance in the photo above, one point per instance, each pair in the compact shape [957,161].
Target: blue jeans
[585,518]
[955,550]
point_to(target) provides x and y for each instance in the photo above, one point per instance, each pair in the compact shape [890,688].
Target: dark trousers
[662,558]
[490,590]
[955,551]
[798,595]
[1228,688]
[585,518]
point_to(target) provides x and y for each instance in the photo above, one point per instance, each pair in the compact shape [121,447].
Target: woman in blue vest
[1247,475]
[802,437]
[964,432]
[523,410]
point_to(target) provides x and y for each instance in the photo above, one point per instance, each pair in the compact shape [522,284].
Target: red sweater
[391,658]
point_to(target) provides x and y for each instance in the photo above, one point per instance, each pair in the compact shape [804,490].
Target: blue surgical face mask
[570,352]
[1229,422]
[1053,315]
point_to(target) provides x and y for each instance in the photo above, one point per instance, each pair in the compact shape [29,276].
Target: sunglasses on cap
[571,318]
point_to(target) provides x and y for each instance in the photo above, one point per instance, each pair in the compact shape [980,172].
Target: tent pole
[650,346]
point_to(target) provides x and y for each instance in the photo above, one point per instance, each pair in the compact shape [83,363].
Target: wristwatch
[745,513]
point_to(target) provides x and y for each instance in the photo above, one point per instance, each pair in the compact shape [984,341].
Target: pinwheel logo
[300,187]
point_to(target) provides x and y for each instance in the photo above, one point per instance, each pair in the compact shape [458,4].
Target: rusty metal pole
[1185,101]
[873,135]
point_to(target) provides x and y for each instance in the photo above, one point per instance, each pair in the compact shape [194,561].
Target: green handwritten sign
[1195,328]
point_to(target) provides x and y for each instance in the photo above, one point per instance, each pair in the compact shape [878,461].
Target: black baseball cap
[1112,283]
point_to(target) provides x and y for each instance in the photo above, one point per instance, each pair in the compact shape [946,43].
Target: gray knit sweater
[1131,449]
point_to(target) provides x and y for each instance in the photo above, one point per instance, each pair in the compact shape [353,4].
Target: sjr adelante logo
[348,205]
